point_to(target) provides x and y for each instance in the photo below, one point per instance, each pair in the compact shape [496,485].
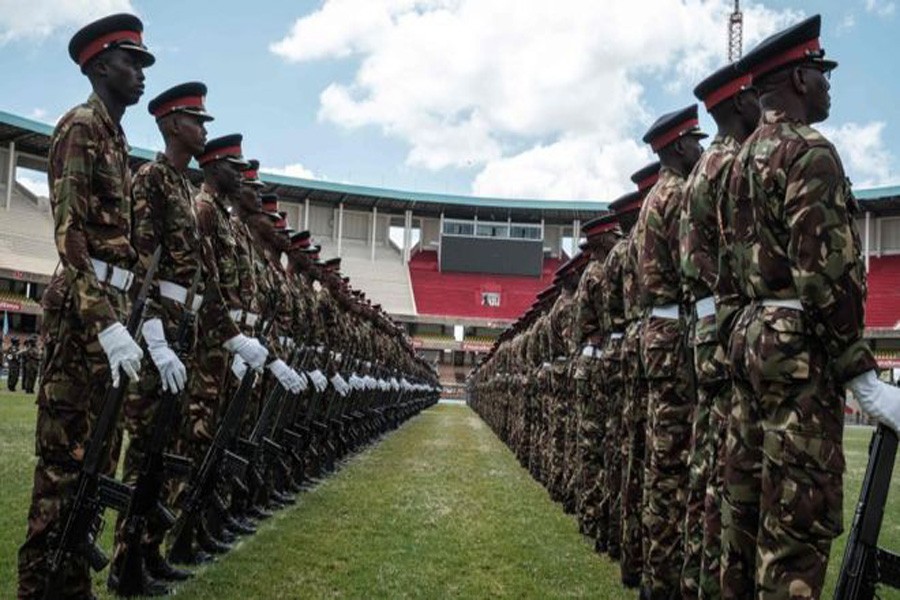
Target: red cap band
[280,224]
[630,207]
[600,228]
[220,153]
[250,174]
[727,91]
[179,103]
[794,54]
[100,44]
[673,134]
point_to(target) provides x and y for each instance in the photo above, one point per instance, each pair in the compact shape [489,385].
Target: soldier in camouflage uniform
[13,364]
[634,412]
[592,408]
[792,295]
[675,138]
[221,161]
[86,300]
[734,105]
[31,360]
[164,217]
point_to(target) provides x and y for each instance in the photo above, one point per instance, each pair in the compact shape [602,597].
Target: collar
[100,109]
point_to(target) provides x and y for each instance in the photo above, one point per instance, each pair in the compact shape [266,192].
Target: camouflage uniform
[90,195]
[613,399]
[164,215]
[558,402]
[788,236]
[699,235]
[634,417]
[670,400]
[14,365]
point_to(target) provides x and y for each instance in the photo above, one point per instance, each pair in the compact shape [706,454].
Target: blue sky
[488,97]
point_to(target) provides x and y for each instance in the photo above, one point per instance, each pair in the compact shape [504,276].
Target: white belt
[250,319]
[669,311]
[793,303]
[705,307]
[616,335]
[178,293]
[115,276]
[591,351]
[561,358]
[235,314]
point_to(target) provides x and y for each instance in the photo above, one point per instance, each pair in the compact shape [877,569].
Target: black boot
[148,586]
[209,543]
[160,568]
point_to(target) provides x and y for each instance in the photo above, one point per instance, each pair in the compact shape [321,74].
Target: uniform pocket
[660,350]
[805,483]
[782,350]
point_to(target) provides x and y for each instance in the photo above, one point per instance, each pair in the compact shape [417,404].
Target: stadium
[454,270]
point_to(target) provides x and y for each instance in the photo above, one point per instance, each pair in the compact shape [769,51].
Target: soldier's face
[691,150]
[228,177]
[750,108]
[124,74]
[818,93]
[192,131]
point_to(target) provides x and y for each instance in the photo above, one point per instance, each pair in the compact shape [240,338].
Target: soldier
[675,137]
[734,105]
[31,360]
[13,364]
[792,296]
[164,216]
[221,161]
[86,300]
[593,411]
[634,412]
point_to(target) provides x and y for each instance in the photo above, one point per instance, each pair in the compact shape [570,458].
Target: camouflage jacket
[788,233]
[590,305]
[613,314]
[631,295]
[215,225]
[657,242]
[90,194]
[699,227]
[251,287]
[164,215]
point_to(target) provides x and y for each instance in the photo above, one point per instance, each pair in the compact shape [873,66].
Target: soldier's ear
[799,80]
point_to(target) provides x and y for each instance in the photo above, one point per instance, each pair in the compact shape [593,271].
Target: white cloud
[881,8]
[292,170]
[867,161]
[473,82]
[41,18]
[846,24]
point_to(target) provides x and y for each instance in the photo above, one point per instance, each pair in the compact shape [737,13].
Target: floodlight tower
[735,32]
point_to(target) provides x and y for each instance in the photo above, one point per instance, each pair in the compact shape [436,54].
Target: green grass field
[438,509]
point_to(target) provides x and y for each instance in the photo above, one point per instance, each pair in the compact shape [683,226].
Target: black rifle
[157,466]
[218,461]
[865,564]
[96,491]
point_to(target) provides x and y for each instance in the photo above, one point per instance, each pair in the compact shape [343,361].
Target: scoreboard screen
[491,255]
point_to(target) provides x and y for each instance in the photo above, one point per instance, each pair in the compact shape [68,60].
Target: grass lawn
[437,509]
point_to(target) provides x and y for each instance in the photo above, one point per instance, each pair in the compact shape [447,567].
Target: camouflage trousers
[784,461]
[556,436]
[669,408]
[589,448]
[612,399]
[634,419]
[73,384]
[702,527]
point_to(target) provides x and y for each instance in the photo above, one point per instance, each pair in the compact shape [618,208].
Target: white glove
[172,372]
[318,380]
[339,384]
[253,353]
[287,377]
[355,382]
[877,398]
[238,366]
[121,351]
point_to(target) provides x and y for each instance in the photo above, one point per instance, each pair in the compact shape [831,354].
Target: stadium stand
[26,234]
[884,293]
[461,294]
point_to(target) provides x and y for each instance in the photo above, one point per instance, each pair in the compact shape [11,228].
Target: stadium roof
[32,138]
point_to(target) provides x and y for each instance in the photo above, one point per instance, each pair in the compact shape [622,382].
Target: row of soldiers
[22,360]
[681,385]
[247,365]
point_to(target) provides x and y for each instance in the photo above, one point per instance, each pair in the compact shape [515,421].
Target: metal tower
[735,32]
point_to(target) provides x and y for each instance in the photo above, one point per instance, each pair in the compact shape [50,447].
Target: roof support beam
[340,228]
[10,174]
[374,230]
